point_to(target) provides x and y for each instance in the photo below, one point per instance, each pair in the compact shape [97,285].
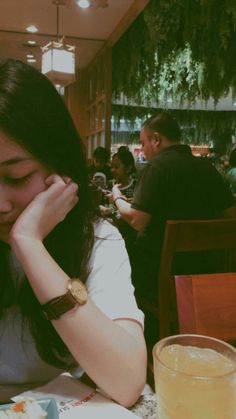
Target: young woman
[123,170]
[50,323]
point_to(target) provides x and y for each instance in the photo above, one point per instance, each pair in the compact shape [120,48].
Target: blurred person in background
[123,171]
[101,164]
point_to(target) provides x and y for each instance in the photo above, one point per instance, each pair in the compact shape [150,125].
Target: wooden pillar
[75,97]
[89,102]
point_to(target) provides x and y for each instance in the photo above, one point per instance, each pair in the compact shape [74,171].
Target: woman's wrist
[20,244]
[45,276]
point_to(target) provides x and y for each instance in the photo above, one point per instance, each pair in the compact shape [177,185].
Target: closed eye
[17,181]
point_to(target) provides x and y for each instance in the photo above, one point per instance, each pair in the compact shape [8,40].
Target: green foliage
[182,49]
[198,127]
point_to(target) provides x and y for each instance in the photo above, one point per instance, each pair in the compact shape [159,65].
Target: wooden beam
[135,9]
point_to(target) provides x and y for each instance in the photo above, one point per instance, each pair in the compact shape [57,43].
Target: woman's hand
[47,209]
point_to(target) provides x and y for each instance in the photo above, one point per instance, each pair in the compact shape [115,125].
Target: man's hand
[116,193]
[47,209]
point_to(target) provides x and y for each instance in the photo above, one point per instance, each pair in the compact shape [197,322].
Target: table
[66,389]
[146,406]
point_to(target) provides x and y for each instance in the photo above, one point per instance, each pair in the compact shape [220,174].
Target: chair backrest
[206,305]
[190,236]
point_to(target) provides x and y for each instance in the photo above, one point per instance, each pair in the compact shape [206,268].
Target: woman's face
[119,171]
[21,179]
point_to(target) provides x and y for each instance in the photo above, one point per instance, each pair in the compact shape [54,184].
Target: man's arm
[135,218]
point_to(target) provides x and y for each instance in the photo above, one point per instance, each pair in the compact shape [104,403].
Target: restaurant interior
[115,62]
[113,85]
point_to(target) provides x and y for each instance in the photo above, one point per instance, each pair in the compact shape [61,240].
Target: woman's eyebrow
[14,160]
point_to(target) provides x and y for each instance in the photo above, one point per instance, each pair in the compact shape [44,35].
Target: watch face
[78,290]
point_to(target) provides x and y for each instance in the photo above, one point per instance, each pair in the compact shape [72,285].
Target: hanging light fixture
[58,60]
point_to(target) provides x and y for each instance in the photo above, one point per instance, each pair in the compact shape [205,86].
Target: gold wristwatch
[76,295]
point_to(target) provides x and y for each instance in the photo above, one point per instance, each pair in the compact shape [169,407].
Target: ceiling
[87,29]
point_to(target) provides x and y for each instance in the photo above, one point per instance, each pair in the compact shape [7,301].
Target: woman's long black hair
[34,115]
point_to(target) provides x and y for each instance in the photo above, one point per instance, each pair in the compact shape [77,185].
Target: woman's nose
[5,202]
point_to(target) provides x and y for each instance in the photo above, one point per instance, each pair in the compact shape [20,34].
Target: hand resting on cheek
[47,209]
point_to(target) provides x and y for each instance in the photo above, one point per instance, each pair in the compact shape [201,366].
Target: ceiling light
[84,4]
[32,29]
[31,42]
[58,60]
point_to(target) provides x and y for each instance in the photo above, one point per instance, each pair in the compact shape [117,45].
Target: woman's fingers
[69,194]
[61,184]
[48,208]
[66,179]
[54,178]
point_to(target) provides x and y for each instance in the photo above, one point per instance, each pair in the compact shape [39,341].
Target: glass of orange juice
[195,378]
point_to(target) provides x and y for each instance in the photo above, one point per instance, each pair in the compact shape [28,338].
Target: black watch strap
[56,307]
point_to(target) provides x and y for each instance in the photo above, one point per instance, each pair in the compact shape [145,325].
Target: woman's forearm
[111,356]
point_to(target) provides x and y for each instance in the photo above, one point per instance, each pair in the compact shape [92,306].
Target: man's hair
[163,123]
[101,153]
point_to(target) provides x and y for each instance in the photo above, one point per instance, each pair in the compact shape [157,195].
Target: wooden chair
[184,236]
[191,236]
[206,305]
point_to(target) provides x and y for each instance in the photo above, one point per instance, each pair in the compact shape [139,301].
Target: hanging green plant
[198,127]
[185,49]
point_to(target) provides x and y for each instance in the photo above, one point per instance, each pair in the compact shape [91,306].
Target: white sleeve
[109,282]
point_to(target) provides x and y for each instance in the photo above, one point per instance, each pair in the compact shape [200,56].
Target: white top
[109,286]
[109,283]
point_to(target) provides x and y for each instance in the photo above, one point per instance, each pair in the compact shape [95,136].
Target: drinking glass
[195,378]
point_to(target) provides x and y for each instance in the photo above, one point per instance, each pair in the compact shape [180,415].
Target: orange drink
[195,378]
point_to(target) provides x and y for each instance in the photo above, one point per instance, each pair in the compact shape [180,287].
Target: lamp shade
[58,63]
